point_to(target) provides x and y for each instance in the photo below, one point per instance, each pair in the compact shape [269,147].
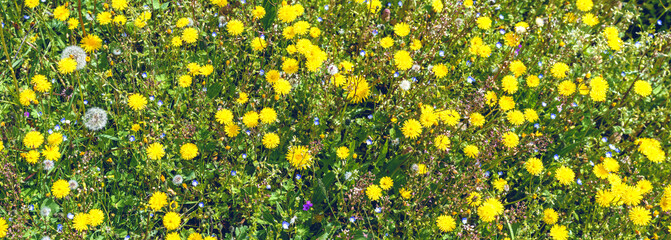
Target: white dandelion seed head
[46,238]
[405,85]
[190,22]
[95,119]
[348,175]
[520,29]
[77,53]
[416,67]
[117,51]
[540,22]
[48,164]
[222,21]
[332,69]
[459,22]
[45,211]
[73,184]
[415,167]
[177,179]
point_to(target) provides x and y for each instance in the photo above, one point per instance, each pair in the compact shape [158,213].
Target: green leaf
[213,90]
[109,137]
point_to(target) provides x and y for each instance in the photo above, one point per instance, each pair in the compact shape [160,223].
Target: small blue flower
[659,22]
[160,103]
[374,32]
[441,53]
[127,237]
[162,135]
[623,74]
[214,34]
[612,147]
[151,98]
[400,4]
[388,4]
[574,104]
[326,7]
[26,17]
[352,219]
[609,154]
[131,138]
[470,79]
[464,220]
[268,187]
[194,182]
[59,227]
[487,174]
[396,74]
[553,116]
[57,127]
[298,176]
[500,173]
[414,79]
[50,131]
[86,102]
[71,216]
[579,181]
[378,210]
[369,142]
[541,76]
[248,132]
[261,72]
[544,104]
[477,15]
[234,173]
[124,35]
[243,1]
[556,157]
[370,116]
[144,74]
[201,204]
[316,122]
[604,139]
[468,63]
[244,155]
[499,45]
[285,224]
[536,125]
[362,53]
[319,19]
[31,207]
[591,163]
[502,31]
[501,16]
[151,214]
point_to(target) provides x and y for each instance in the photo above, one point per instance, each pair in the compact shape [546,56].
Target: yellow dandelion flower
[299,157]
[373,192]
[155,151]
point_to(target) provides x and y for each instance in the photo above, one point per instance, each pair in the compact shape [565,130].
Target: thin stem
[9,62]
[81,19]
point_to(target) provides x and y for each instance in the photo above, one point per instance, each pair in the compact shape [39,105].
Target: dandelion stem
[81,20]
[9,63]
